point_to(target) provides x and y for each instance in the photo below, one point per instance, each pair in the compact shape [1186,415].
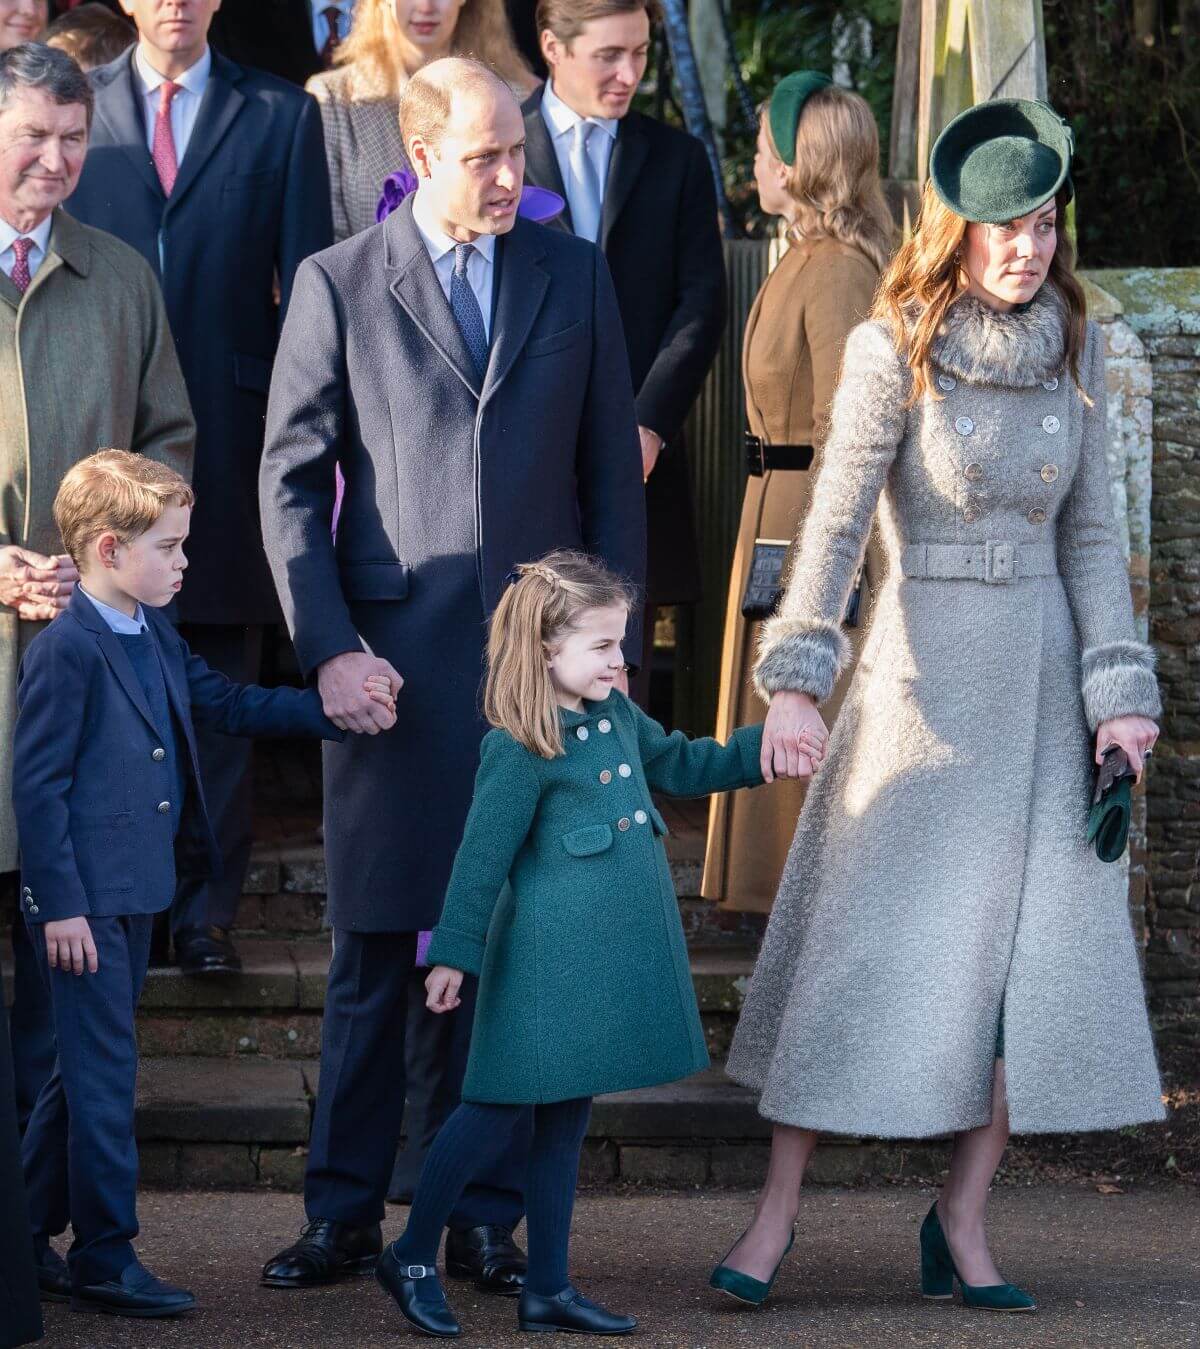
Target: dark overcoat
[250,203]
[561,900]
[20,1313]
[448,486]
[660,236]
[273,35]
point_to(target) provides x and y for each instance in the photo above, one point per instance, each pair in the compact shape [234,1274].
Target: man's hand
[794,737]
[652,444]
[69,945]
[342,681]
[442,988]
[36,586]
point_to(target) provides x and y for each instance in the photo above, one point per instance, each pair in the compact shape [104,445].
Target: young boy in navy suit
[109,805]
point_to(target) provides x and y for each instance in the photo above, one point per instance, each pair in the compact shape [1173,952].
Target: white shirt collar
[115,619]
[194,79]
[562,119]
[40,234]
[438,242]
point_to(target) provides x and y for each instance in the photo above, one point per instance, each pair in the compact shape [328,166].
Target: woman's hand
[794,737]
[442,988]
[1135,735]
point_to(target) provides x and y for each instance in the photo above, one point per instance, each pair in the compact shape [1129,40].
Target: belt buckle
[755,460]
[999,562]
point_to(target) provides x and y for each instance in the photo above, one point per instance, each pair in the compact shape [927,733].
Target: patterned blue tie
[465,308]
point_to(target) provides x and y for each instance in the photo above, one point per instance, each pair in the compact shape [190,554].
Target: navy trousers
[79,1153]
[360,1096]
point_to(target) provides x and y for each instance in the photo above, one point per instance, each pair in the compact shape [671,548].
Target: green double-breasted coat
[561,900]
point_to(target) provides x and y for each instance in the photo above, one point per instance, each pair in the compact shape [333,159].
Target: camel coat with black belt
[940,875]
[790,358]
[86,363]
[561,900]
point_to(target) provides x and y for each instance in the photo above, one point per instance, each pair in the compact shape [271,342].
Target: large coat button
[624,770]
[964,426]
[640,816]
[1037,516]
[1050,424]
[971,513]
[606,777]
[582,733]
[974,472]
[1050,473]
[159,755]
[947,382]
[604,725]
[623,823]
[164,807]
[1050,384]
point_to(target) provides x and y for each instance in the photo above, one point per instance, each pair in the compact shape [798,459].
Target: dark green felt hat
[787,103]
[1002,159]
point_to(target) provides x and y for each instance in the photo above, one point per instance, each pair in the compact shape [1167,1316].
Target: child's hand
[69,944]
[442,986]
[379,689]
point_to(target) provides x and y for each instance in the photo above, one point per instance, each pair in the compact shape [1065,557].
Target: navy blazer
[450,481]
[251,202]
[86,785]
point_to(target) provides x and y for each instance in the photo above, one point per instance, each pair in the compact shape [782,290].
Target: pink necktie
[20,271]
[163,153]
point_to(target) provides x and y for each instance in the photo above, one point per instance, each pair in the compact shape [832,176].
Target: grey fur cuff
[1119,681]
[799,656]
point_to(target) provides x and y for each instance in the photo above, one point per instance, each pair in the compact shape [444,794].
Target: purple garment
[423,940]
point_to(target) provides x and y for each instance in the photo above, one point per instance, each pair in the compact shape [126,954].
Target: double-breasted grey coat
[940,874]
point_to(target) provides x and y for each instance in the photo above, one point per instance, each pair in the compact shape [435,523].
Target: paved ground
[1118,1270]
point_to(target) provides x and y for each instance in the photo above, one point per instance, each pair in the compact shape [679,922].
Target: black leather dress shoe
[570,1311]
[418,1293]
[325,1252]
[207,950]
[136,1293]
[489,1256]
[54,1282]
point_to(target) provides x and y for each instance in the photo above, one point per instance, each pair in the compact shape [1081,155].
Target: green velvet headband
[1002,159]
[787,103]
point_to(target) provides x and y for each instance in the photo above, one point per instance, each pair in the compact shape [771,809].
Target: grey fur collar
[1016,350]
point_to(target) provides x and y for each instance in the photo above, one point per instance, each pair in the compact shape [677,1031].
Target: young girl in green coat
[561,902]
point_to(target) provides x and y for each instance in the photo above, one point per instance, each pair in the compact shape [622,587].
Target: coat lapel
[118,107]
[523,283]
[181,705]
[221,103]
[414,283]
[541,163]
[85,612]
[628,156]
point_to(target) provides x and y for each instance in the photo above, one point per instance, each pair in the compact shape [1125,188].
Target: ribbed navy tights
[473,1138]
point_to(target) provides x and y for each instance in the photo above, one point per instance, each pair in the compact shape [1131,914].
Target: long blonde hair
[482,31]
[834,179]
[927,277]
[540,608]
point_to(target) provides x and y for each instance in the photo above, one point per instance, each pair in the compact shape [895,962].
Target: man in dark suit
[644,192]
[293,39]
[20,1314]
[217,176]
[466,370]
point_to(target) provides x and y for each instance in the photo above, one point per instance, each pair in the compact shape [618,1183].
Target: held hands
[794,737]
[69,945]
[442,988]
[349,701]
[37,586]
[1135,735]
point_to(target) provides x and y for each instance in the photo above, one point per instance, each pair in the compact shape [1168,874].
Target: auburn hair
[927,277]
[540,608]
[833,180]
[117,491]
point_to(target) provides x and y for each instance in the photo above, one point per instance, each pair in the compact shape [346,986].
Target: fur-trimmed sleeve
[803,649]
[1117,671]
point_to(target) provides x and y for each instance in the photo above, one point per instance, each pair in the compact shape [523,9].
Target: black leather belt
[763,457]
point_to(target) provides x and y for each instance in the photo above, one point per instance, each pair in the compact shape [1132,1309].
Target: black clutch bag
[1112,805]
[764,585]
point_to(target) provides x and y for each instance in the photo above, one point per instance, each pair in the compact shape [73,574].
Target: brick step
[274,1006]
[237,1123]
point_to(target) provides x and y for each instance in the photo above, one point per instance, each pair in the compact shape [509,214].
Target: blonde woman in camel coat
[791,353]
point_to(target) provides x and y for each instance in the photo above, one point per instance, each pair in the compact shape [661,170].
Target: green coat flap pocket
[587,842]
[660,825]
[375,580]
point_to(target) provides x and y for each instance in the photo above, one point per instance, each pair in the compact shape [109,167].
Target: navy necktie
[465,308]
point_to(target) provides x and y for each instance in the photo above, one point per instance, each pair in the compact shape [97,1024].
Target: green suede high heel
[938,1273]
[743,1286]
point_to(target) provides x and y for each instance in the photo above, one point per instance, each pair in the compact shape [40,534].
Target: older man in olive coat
[86,361]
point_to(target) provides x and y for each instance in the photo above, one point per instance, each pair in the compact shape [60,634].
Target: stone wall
[1163,310]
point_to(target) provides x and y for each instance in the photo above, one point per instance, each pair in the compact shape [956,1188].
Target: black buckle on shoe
[416,1271]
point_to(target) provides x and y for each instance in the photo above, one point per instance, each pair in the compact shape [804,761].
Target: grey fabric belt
[995,562]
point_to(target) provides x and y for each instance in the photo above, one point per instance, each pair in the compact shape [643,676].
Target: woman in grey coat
[946,954]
